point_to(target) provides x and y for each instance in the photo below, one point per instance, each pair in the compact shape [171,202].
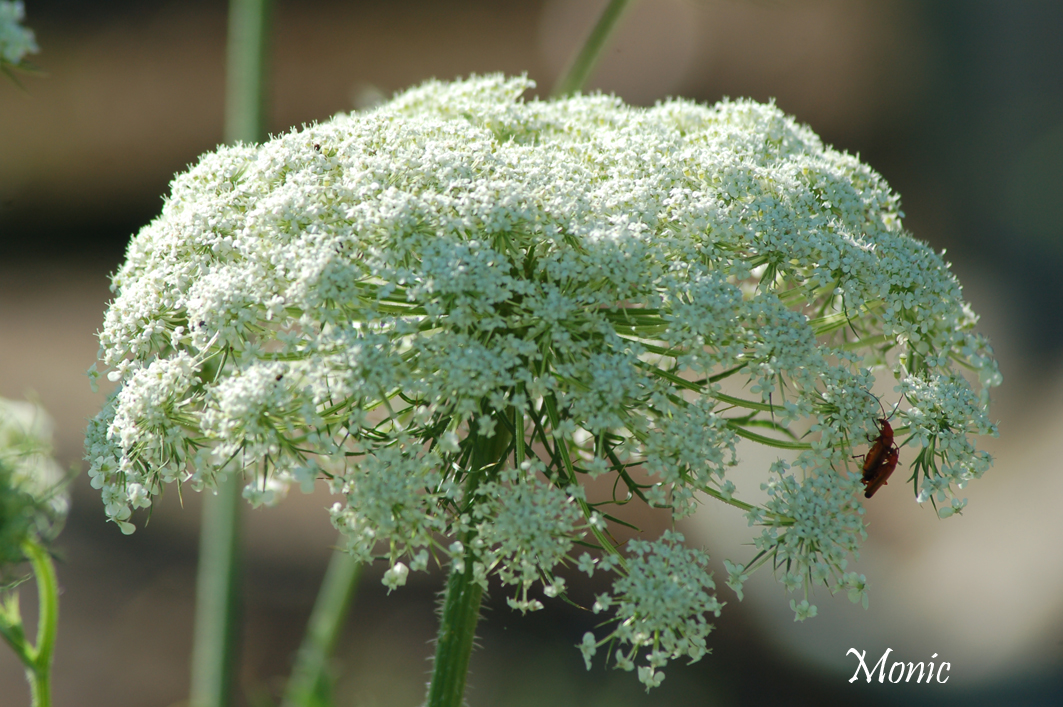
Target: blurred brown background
[959,103]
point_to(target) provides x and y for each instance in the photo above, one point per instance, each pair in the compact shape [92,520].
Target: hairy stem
[461,606]
[457,629]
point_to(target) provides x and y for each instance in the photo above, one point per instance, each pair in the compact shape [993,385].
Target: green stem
[217,593]
[579,70]
[11,629]
[249,26]
[323,629]
[213,644]
[730,501]
[40,673]
[461,607]
[457,629]
[768,441]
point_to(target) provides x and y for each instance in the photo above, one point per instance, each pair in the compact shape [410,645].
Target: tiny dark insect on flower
[880,460]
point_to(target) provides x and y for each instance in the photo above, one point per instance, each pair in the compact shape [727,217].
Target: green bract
[461,306]
[33,501]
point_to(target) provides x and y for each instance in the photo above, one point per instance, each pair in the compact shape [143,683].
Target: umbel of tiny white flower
[33,499]
[461,306]
[16,41]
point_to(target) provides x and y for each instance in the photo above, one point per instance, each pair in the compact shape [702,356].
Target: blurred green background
[959,103]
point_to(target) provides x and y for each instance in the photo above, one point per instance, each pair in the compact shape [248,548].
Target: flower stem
[461,606]
[249,25]
[324,626]
[39,673]
[217,592]
[213,643]
[579,70]
[457,629]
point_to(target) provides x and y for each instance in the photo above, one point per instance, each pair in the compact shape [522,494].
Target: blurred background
[959,103]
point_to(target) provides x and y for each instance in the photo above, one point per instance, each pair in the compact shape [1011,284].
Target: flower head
[662,602]
[33,500]
[460,305]
[16,41]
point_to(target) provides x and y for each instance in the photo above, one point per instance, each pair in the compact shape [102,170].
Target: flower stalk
[461,604]
[33,507]
[217,598]
[579,70]
[217,584]
[309,676]
[246,70]
[457,630]
[47,623]
[36,658]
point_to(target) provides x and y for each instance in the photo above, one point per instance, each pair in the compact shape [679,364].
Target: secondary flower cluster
[16,41]
[33,501]
[461,307]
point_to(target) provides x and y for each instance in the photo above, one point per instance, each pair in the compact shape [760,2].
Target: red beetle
[880,460]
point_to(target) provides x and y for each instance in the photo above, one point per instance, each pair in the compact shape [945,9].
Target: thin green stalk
[326,620]
[767,441]
[39,673]
[217,593]
[579,70]
[215,630]
[245,85]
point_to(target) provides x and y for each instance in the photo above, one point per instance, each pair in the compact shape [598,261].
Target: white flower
[527,528]
[802,611]
[823,527]
[735,577]
[33,495]
[661,602]
[650,677]
[391,496]
[16,41]
[460,305]
[588,647]
[396,576]
[856,586]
